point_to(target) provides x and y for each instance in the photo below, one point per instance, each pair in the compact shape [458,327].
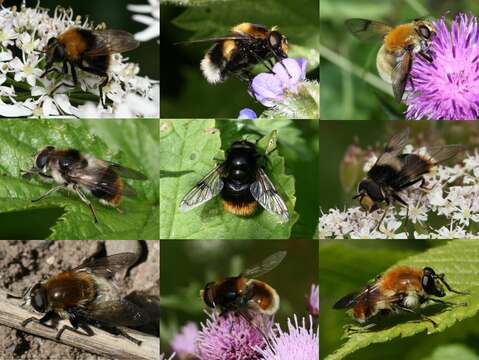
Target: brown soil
[23,263]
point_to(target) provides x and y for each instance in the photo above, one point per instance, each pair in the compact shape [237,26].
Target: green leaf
[187,150]
[130,143]
[298,20]
[459,260]
[453,351]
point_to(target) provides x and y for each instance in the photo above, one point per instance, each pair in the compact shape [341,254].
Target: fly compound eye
[424,32]
[207,295]
[430,284]
[275,39]
[43,157]
[38,298]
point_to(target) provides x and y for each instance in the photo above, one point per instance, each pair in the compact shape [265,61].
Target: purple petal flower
[230,337]
[184,342]
[313,301]
[247,113]
[447,88]
[269,88]
[299,343]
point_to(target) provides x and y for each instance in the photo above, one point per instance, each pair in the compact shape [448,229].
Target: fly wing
[126,172]
[266,195]
[350,300]
[400,74]
[397,142]
[415,165]
[112,41]
[394,147]
[107,266]
[100,177]
[365,29]
[266,265]
[346,302]
[116,312]
[441,153]
[236,36]
[207,188]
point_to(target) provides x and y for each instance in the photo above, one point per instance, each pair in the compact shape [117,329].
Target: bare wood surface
[102,343]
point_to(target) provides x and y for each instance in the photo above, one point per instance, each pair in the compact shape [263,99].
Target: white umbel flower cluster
[152,19]
[452,202]
[24,33]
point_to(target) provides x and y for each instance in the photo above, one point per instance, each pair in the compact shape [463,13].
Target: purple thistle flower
[185,340]
[247,113]
[299,343]
[447,88]
[230,337]
[313,300]
[269,88]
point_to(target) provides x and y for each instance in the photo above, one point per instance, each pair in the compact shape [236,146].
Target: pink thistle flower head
[447,88]
[184,343]
[230,337]
[301,342]
[313,300]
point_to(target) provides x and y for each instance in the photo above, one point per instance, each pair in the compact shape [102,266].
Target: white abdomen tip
[211,72]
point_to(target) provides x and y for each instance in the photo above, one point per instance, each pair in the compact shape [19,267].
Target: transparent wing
[116,312]
[266,265]
[441,153]
[109,265]
[416,165]
[210,40]
[365,29]
[394,146]
[266,195]
[204,190]
[112,41]
[101,178]
[369,293]
[126,172]
[400,74]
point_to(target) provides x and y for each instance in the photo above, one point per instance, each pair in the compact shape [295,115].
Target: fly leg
[441,278]
[448,303]
[117,331]
[382,218]
[423,317]
[74,328]
[49,192]
[350,329]
[83,198]
[397,198]
[99,72]
[49,315]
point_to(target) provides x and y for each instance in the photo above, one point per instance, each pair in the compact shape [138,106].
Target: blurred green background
[347,266]
[186,266]
[185,93]
[116,16]
[335,137]
[347,94]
